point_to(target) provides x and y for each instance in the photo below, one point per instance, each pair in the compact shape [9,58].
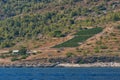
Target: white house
[15,51]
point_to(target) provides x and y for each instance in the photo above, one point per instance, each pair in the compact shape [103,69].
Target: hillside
[40,19]
[60,28]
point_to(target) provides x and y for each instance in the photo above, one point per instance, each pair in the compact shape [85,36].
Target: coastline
[97,64]
[63,65]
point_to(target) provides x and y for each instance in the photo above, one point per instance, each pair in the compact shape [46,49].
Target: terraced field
[80,37]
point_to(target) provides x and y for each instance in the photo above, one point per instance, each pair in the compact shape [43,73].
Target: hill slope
[40,19]
[41,24]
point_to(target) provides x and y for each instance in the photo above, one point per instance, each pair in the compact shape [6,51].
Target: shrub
[7,44]
[103,47]
[112,34]
[69,54]
[2,56]
[14,59]
[10,51]
[57,34]
[99,42]
[118,27]
[97,50]
[23,51]
[24,56]
[79,50]
[81,62]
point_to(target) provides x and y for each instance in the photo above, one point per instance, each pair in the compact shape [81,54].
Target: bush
[112,34]
[81,62]
[2,56]
[99,42]
[57,34]
[7,44]
[24,56]
[97,50]
[69,54]
[118,27]
[79,50]
[14,59]
[103,47]
[23,51]
[10,51]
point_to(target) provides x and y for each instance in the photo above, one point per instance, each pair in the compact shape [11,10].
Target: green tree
[23,50]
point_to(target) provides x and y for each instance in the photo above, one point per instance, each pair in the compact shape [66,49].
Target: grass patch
[73,42]
[90,31]
[80,36]
[69,54]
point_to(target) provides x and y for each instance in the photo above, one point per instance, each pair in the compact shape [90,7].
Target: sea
[60,73]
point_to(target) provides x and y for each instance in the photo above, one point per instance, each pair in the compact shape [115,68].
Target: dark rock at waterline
[87,59]
[53,62]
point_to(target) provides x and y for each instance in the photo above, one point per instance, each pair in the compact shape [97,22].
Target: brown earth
[109,37]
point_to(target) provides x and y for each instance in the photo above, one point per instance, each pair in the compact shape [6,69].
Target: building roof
[15,51]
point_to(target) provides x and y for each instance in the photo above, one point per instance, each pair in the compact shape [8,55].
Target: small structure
[15,51]
[31,51]
[34,51]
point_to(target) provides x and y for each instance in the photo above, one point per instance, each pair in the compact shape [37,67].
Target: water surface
[59,73]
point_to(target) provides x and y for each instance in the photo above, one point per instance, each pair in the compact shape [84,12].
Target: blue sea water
[59,73]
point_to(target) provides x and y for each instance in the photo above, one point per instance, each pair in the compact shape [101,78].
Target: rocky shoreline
[19,65]
[93,61]
[97,64]
[65,65]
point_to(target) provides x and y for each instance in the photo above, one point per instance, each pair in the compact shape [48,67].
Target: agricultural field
[80,37]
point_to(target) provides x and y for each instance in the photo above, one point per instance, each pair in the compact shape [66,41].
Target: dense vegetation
[29,19]
[81,36]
